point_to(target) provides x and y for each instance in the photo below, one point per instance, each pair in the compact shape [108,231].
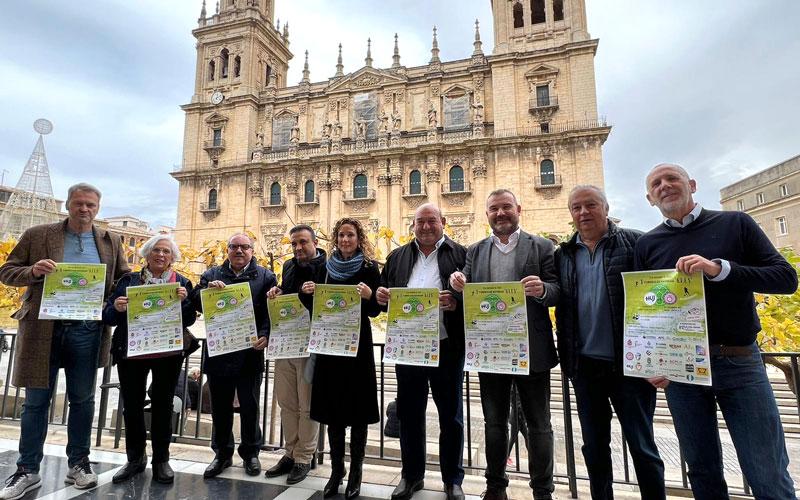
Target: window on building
[740,205]
[237,66]
[456,178]
[275,194]
[5,196]
[547,173]
[537,11]
[267,75]
[784,190]
[542,95]
[456,112]
[415,182]
[558,10]
[782,226]
[224,69]
[544,127]
[216,135]
[130,259]
[132,241]
[308,197]
[360,186]
[365,109]
[282,131]
[212,66]
[124,223]
[519,20]
[212,199]
[759,198]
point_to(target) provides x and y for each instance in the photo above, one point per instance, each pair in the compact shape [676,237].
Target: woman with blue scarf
[344,392]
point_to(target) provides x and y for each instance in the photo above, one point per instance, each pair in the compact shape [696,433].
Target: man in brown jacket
[43,346]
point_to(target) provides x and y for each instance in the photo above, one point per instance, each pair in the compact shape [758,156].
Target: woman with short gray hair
[159,252]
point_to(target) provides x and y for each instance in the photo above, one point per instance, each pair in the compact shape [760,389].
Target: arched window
[212,66]
[558,10]
[237,66]
[132,241]
[309,192]
[519,20]
[360,186]
[275,194]
[547,172]
[537,11]
[212,199]
[267,75]
[415,182]
[456,178]
[224,55]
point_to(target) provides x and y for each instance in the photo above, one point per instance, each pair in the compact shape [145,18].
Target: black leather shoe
[494,495]
[216,467]
[298,473]
[453,492]
[405,489]
[332,486]
[162,473]
[284,466]
[252,466]
[129,470]
[353,482]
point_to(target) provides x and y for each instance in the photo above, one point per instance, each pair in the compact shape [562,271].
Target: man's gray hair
[149,244]
[590,187]
[82,186]
[502,191]
[252,243]
[682,171]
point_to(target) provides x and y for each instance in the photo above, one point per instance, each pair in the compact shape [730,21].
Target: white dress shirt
[513,240]
[425,274]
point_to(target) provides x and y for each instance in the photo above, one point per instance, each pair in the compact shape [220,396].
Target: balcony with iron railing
[415,192]
[304,202]
[209,207]
[535,103]
[547,181]
[456,188]
[268,203]
[356,195]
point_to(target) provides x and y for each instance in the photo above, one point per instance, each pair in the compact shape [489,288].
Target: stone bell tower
[524,25]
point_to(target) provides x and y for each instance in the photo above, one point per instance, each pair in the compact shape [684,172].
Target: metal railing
[543,102]
[273,439]
[547,181]
[209,207]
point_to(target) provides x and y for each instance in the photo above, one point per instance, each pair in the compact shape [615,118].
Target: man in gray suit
[511,254]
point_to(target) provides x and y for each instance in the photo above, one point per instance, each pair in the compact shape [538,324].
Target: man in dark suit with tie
[510,254]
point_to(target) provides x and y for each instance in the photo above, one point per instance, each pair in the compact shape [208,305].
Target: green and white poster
[74,292]
[496,328]
[155,324]
[290,327]
[336,322]
[230,319]
[412,328]
[666,331]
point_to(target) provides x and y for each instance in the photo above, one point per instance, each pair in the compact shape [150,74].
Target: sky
[712,85]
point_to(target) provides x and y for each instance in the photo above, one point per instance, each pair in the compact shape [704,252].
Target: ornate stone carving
[367,80]
[303,108]
[359,206]
[457,199]
[432,175]
[435,91]
[461,220]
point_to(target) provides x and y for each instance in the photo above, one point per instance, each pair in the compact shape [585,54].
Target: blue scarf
[340,269]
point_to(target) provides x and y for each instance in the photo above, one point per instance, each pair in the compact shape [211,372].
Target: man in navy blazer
[510,254]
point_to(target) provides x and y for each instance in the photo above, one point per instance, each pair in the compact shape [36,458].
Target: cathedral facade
[374,144]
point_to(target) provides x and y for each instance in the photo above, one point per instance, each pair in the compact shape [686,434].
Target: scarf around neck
[342,269]
[148,278]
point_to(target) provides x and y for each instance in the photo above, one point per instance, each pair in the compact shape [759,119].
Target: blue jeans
[75,347]
[412,399]
[534,393]
[634,400]
[743,393]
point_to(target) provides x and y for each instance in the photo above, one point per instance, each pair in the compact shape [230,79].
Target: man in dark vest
[589,320]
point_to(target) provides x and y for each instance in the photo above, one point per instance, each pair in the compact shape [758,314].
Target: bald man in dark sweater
[737,260]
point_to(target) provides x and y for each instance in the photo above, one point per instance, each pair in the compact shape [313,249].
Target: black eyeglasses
[244,247]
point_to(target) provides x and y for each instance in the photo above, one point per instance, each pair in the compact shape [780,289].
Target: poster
[290,327]
[155,324]
[336,323]
[666,329]
[496,328]
[74,292]
[230,319]
[412,328]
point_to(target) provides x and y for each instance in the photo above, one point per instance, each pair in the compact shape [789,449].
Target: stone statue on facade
[477,113]
[396,121]
[432,120]
[361,130]
[294,138]
[260,137]
[384,123]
